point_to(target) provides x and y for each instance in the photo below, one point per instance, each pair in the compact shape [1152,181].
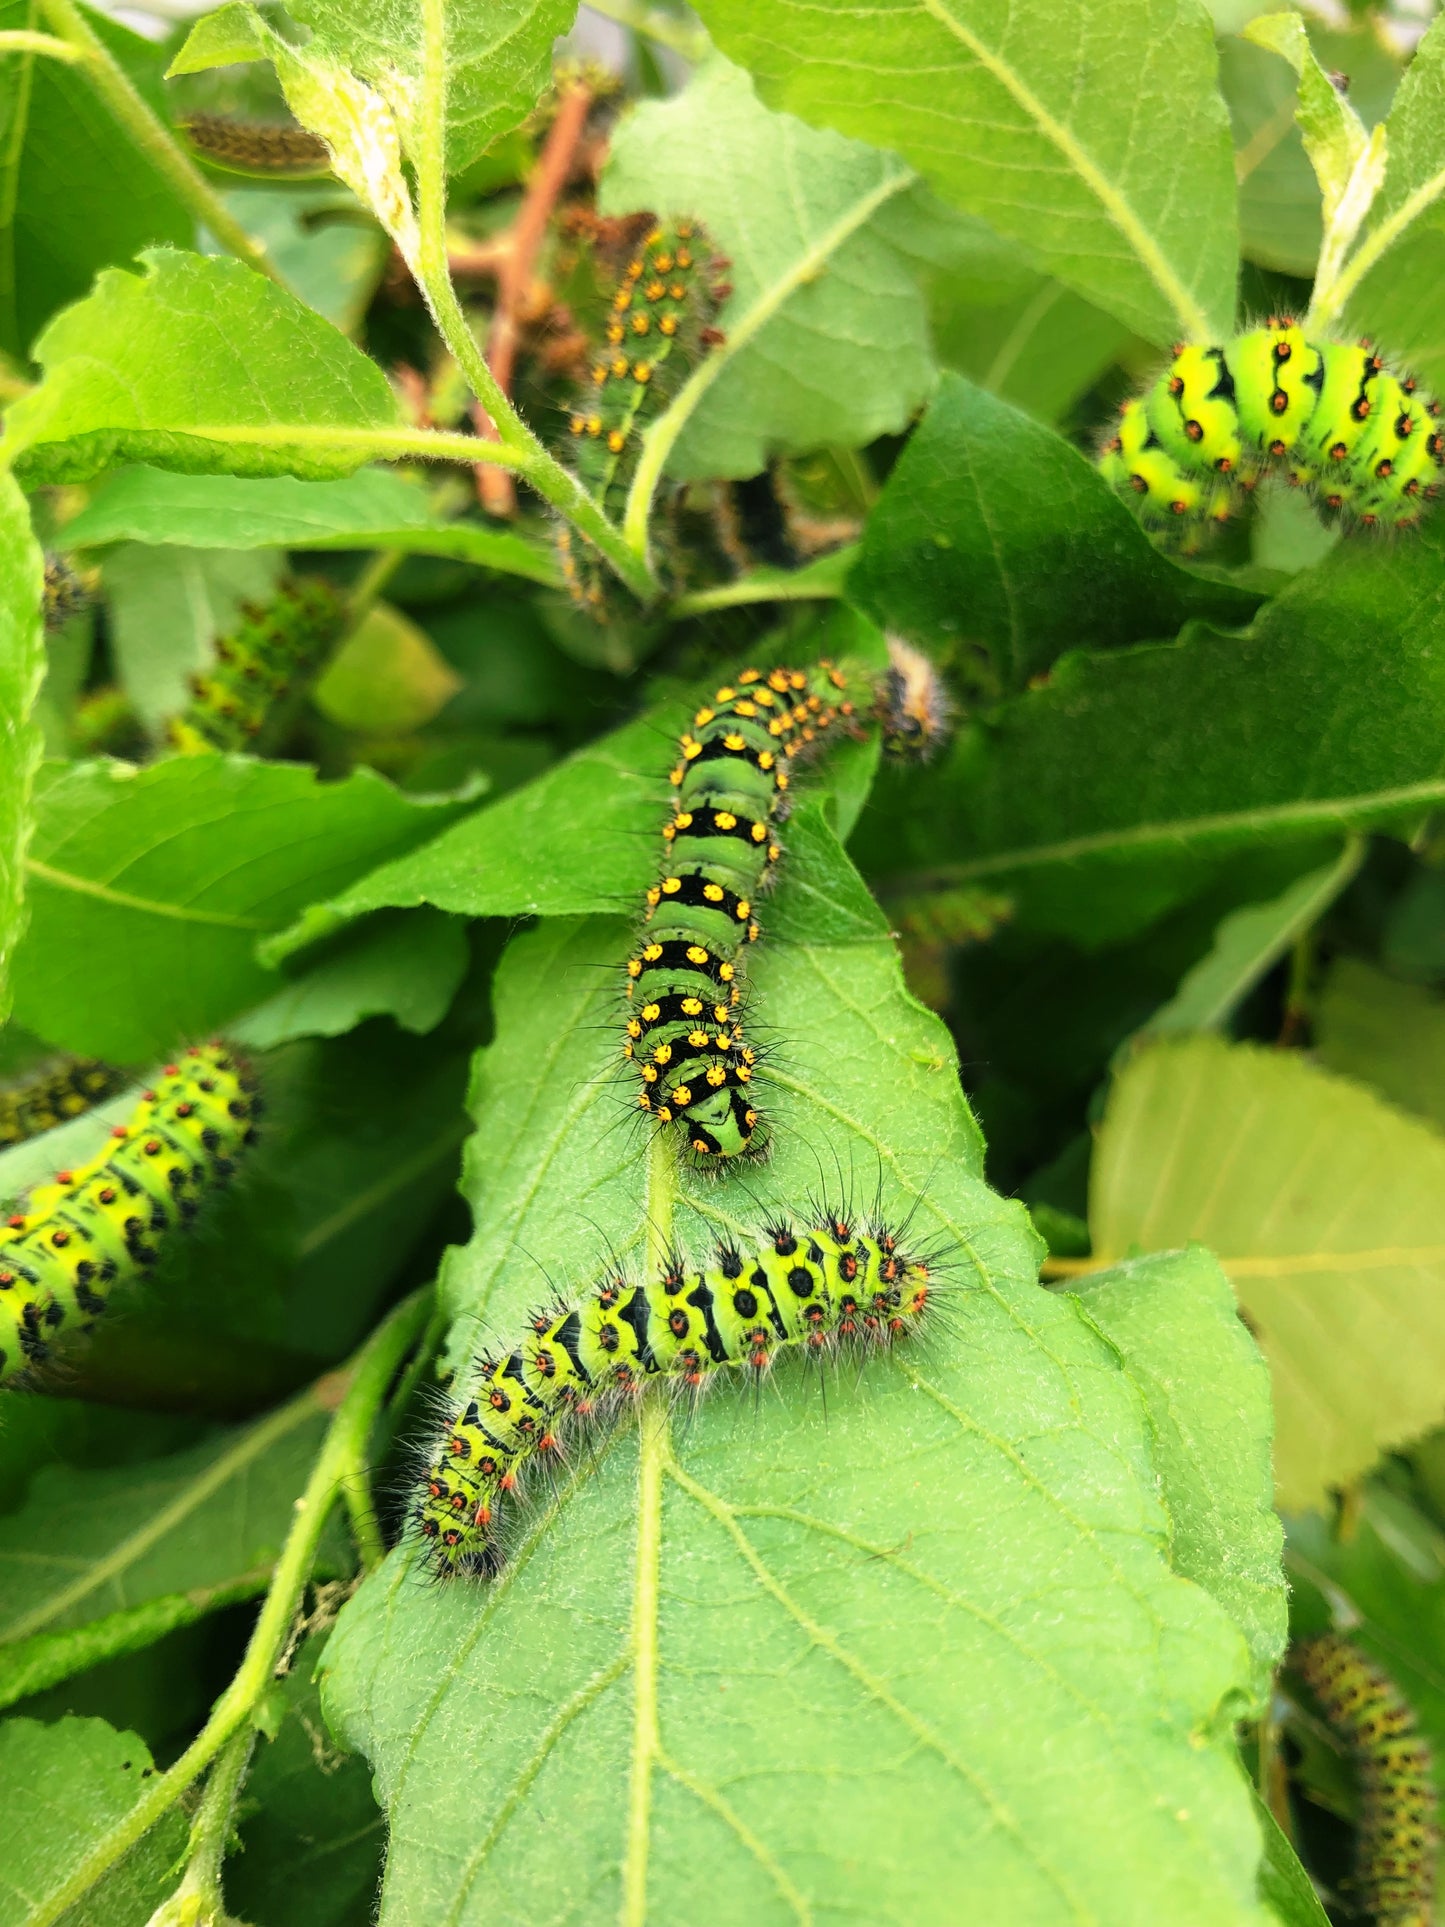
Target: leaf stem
[356,1392]
[525,452]
[199,1897]
[19,40]
[151,136]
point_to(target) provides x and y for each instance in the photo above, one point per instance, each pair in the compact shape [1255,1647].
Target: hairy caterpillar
[56,1090]
[1329,416]
[822,1285]
[660,325]
[269,657]
[684,1022]
[101,1222]
[256,146]
[66,592]
[1394,1882]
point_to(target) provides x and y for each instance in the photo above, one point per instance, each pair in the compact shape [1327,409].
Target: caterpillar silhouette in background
[818,1287]
[1331,417]
[266,661]
[60,1088]
[1398,1831]
[106,1220]
[684,1034]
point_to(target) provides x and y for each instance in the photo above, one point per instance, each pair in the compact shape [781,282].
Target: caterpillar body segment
[53,1093]
[106,1220]
[1329,416]
[814,1287]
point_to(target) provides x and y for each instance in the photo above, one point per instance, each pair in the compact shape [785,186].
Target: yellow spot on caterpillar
[656,290]
[720,1013]
[594,425]
[745,910]
[651,952]
[640,324]
[662,1054]
[578,423]
[678,291]
[745,709]
[627,1049]
[664,1112]
[766,759]
[696,954]
[634,1028]
[653,896]
[734,740]
[725,695]
[682,1096]
[692,1006]
[619,362]
[617,441]
[725,820]
[713,892]
[704,716]
[599,373]
[667,324]
[662,262]
[782,779]
[649,1073]
[683,820]
[642,371]
[671,886]
[690,747]
[716,1076]
[614,335]
[697,1038]
[684,260]
[743,1073]
[644,1101]
[674,776]
[622,300]
[634,967]
[775,850]
[726,973]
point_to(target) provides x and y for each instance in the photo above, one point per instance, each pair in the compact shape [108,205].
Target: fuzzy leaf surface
[197,364]
[1327,1210]
[1091,131]
[726,1609]
[22,669]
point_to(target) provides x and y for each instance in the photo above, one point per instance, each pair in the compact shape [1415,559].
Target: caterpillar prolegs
[816,1287]
[1329,416]
[684,1033]
[1399,1834]
[105,1220]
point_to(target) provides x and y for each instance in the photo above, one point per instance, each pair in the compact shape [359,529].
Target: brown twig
[495,487]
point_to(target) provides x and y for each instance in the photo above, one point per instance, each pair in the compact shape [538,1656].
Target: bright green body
[812,1287]
[1327,415]
[62,1256]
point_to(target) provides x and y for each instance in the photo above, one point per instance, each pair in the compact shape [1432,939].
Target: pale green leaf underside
[22,664]
[802,217]
[1386,1033]
[1327,1210]
[1092,131]
[930,1595]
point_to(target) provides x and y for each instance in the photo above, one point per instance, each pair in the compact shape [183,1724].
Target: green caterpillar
[56,1090]
[661,325]
[822,1286]
[256,146]
[274,651]
[102,1222]
[684,1023]
[1329,416]
[1399,1834]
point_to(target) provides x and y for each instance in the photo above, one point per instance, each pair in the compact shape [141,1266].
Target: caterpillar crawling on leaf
[1329,416]
[1398,1835]
[58,1089]
[817,1287]
[267,660]
[660,326]
[684,1034]
[107,1219]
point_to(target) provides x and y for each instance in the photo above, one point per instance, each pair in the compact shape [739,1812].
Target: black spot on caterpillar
[267,660]
[1330,416]
[822,1285]
[256,146]
[661,324]
[62,1256]
[60,1088]
[684,1023]
[1399,1834]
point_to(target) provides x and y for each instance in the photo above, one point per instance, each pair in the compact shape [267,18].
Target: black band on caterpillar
[814,1287]
[660,326]
[62,1256]
[685,991]
[1330,416]
[256,146]
[60,1088]
[1399,1834]
[267,660]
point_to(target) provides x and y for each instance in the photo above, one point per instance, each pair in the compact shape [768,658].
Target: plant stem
[355,1392]
[151,136]
[523,450]
[367,588]
[19,40]
[198,1900]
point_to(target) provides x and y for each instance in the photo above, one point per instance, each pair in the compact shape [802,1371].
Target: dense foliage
[415,426]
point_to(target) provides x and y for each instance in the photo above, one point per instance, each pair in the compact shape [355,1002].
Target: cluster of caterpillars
[1329,416]
[824,1285]
[108,1219]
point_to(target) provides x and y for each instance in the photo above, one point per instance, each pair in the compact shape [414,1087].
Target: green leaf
[311,1835]
[997,542]
[1103,798]
[76,195]
[1248,944]
[1333,134]
[388,677]
[1284,1886]
[22,669]
[1035,343]
[406,967]
[1388,280]
[373,509]
[321,249]
[1385,1033]
[769,1594]
[150,888]
[1091,131]
[166,607]
[1206,1389]
[1327,1210]
[200,365]
[99,1562]
[805,220]
[64,1786]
